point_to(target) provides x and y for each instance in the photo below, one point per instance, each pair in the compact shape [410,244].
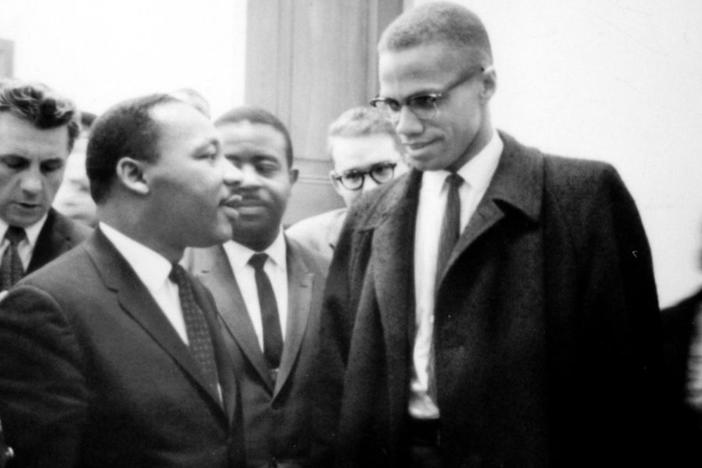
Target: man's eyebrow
[209,142]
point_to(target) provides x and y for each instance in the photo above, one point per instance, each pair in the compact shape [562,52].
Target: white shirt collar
[476,173]
[151,267]
[32,232]
[239,255]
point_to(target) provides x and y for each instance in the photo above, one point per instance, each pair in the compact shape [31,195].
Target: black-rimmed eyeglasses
[424,106]
[353,179]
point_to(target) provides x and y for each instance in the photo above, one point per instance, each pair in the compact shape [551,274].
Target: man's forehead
[415,69]
[363,151]
[20,137]
[249,136]
[179,122]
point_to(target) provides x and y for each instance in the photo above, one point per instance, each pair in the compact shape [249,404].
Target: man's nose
[407,123]
[369,183]
[232,174]
[31,182]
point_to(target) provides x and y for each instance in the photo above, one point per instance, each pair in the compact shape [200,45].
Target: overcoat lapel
[392,253]
[215,272]
[517,183]
[136,301]
[300,282]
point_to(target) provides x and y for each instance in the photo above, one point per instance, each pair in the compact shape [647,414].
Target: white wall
[99,52]
[615,80]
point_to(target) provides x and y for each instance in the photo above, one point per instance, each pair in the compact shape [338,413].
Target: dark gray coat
[546,329]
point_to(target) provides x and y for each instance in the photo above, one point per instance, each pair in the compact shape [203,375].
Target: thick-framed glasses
[424,106]
[353,179]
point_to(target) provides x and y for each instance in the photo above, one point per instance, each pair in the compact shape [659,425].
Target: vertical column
[307,61]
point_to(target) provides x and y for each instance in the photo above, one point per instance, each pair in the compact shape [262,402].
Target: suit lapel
[138,303]
[300,282]
[214,271]
[52,239]
[517,184]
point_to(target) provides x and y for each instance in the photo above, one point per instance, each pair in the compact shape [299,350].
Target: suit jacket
[545,327]
[684,429]
[93,374]
[58,235]
[276,413]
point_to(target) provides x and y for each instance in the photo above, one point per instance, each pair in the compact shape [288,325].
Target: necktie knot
[178,276]
[15,235]
[454,181]
[258,260]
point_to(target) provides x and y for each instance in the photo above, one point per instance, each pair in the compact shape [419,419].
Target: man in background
[112,355]
[37,131]
[495,306]
[268,289]
[365,152]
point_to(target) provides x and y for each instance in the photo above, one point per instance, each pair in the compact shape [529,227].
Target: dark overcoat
[546,327]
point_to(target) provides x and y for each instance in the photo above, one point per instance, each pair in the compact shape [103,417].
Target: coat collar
[517,183]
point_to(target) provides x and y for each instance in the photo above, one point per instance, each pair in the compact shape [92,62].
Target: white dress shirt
[477,174]
[25,248]
[276,269]
[152,269]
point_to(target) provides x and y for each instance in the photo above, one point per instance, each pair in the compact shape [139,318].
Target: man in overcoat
[495,306]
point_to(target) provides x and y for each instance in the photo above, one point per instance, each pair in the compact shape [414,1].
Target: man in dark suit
[112,355]
[270,309]
[37,132]
[493,307]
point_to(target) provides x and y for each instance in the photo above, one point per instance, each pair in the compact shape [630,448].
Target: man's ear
[335,183]
[130,173]
[489,83]
[293,174]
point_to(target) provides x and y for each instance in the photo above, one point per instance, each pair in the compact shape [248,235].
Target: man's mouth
[28,206]
[233,202]
[417,145]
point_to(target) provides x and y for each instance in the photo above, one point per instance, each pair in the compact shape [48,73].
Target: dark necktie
[198,331]
[272,335]
[11,268]
[451,224]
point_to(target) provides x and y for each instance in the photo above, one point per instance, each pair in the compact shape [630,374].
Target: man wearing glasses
[493,307]
[365,152]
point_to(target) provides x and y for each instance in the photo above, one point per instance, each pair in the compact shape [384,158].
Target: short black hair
[125,130]
[258,115]
[439,23]
[41,106]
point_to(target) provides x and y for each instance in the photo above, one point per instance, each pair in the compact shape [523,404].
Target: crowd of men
[476,303]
